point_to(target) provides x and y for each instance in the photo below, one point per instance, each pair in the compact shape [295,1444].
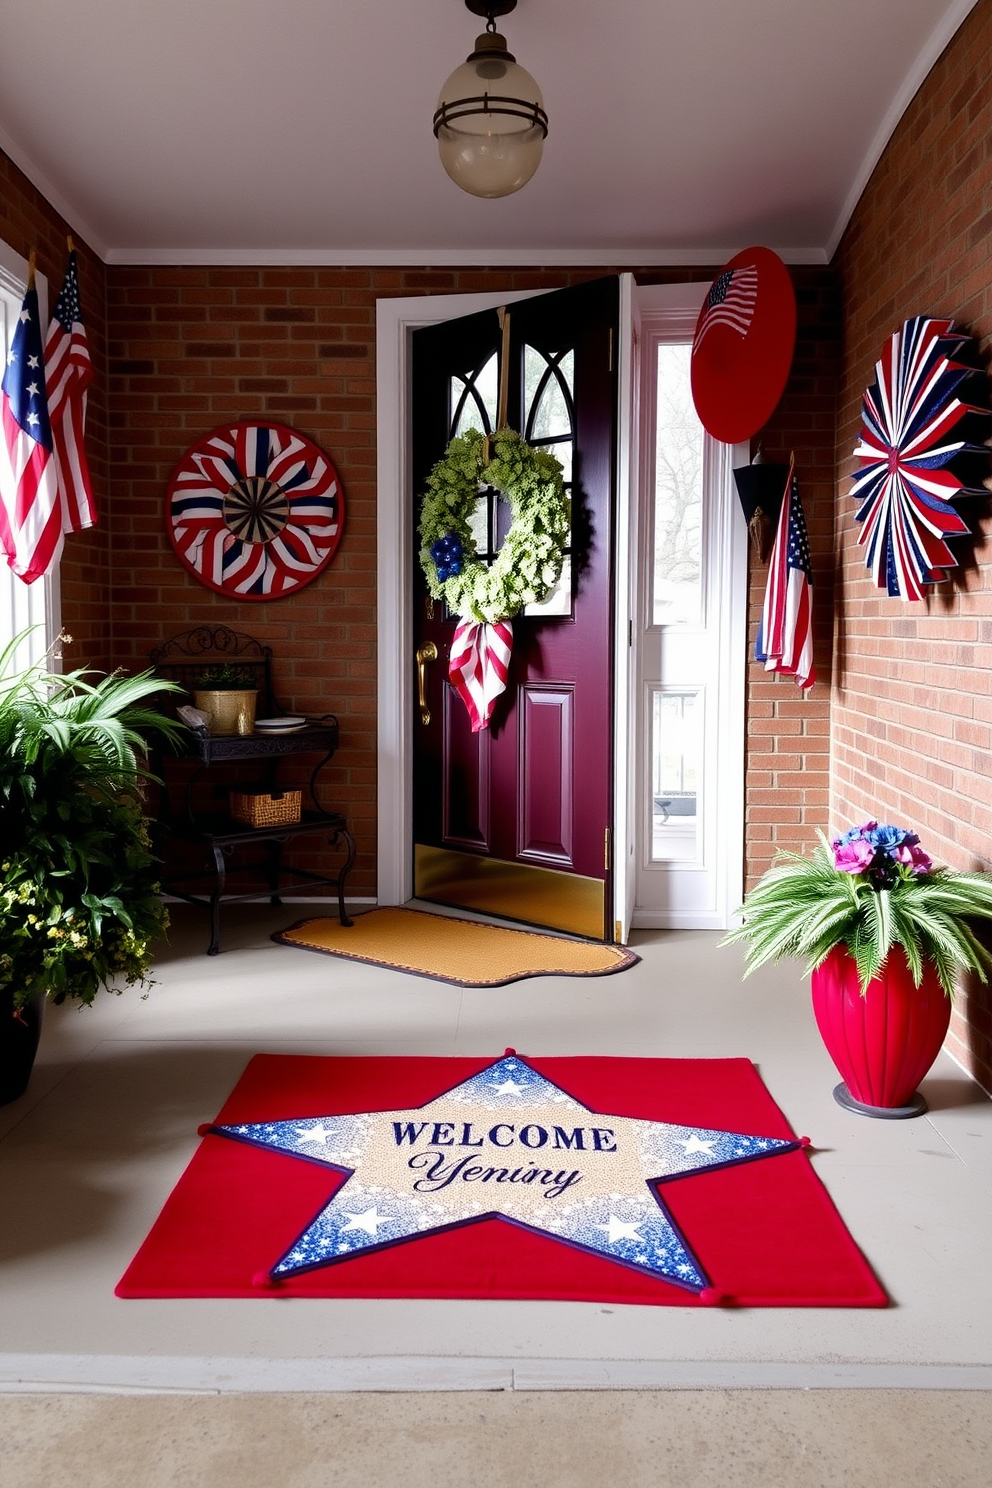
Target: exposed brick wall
[787,779]
[27,221]
[912,697]
[194,348]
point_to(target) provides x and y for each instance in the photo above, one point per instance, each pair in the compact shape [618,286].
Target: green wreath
[529,563]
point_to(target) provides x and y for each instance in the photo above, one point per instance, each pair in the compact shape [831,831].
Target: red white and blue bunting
[905,485]
[255,510]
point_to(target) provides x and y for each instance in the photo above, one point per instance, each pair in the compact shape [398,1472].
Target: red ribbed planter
[882,1043]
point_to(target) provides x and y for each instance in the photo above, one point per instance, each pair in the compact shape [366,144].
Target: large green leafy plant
[870,889]
[79,900]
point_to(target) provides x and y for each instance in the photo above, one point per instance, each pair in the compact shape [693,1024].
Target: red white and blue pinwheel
[254,510]
[905,486]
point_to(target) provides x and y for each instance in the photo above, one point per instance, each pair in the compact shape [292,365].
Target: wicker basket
[258,809]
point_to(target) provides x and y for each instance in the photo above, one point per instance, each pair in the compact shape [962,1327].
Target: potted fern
[79,900]
[884,934]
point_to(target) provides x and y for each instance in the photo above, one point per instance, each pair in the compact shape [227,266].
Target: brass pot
[230,710]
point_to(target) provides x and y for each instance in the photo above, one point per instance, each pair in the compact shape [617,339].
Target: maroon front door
[517,819]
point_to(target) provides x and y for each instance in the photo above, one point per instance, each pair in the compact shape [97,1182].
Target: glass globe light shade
[490,121]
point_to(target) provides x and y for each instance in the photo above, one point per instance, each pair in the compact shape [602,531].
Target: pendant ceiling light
[490,122]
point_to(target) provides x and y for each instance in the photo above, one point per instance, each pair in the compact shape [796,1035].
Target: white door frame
[395,320]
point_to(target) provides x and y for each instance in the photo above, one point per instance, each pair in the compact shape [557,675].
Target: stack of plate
[279,725]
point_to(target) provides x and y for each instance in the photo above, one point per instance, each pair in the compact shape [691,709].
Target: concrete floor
[90,1153]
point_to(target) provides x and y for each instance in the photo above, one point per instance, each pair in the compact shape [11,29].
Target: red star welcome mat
[669,1182]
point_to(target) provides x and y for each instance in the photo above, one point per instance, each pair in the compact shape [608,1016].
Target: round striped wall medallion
[255,510]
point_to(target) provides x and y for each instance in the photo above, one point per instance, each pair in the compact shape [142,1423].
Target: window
[676,586]
[23,605]
[548,423]
[690,648]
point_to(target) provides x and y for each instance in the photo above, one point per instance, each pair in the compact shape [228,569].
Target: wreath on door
[255,510]
[529,563]
[526,569]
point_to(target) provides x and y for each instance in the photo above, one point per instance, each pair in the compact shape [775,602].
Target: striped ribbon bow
[478,664]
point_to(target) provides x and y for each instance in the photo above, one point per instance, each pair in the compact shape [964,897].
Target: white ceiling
[300,130]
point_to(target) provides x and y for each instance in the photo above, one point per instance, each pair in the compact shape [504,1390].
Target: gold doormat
[459,951]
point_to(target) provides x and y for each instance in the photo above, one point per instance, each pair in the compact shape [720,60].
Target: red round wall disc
[743,346]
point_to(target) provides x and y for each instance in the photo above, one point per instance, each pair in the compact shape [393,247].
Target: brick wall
[912,695]
[27,221]
[787,778]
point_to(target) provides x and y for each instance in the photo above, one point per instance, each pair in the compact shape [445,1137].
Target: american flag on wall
[69,372]
[30,515]
[730,302]
[785,638]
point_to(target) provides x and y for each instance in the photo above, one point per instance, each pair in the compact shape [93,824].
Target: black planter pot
[19,1035]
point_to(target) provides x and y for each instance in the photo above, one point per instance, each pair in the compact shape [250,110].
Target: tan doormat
[459,951]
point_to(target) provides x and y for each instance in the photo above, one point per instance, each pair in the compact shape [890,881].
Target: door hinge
[606,849]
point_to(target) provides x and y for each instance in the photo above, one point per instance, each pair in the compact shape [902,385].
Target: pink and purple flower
[879,851]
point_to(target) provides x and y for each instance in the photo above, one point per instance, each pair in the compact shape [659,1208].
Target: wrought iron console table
[217,832]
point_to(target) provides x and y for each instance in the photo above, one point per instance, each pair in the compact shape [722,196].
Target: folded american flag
[68,373]
[785,638]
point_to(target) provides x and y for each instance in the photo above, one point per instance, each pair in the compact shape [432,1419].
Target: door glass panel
[562,452]
[472,399]
[676,755]
[676,579]
[478,525]
[548,390]
[558,601]
[549,421]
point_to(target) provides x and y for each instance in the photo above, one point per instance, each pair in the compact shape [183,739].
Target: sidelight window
[676,588]
[676,773]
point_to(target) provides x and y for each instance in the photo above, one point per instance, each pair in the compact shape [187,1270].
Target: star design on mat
[617,1230]
[368,1222]
[319,1133]
[696,1144]
[504,1143]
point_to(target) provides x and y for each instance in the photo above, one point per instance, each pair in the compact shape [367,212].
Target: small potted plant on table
[228,695]
[884,934]
[79,899]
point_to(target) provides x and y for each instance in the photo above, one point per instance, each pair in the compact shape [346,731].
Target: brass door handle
[425,654]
